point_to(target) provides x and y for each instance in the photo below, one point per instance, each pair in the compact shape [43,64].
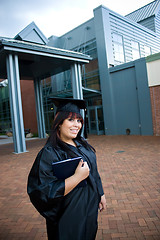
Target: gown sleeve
[99,185]
[95,173]
[46,192]
[96,176]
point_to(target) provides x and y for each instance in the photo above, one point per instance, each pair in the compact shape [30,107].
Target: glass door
[100,120]
[95,120]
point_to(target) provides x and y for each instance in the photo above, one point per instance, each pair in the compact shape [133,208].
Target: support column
[80,86]
[15,103]
[104,43]
[39,109]
[76,81]
[77,85]
[80,81]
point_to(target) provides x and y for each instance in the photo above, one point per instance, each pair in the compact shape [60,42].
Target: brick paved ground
[130,170]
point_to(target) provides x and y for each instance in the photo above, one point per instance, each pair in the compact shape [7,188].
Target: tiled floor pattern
[130,170]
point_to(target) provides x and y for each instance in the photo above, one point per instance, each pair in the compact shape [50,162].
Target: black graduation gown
[73,216]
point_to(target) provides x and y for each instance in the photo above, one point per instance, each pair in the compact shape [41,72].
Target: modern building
[111,40]
[116,83]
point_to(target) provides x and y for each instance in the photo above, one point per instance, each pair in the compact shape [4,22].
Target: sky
[56,17]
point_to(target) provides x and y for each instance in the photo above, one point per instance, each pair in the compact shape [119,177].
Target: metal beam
[15,103]
[47,54]
[91,90]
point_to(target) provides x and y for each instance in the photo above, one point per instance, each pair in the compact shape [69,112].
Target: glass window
[118,47]
[91,79]
[5,120]
[117,38]
[88,48]
[147,50]
[135,50]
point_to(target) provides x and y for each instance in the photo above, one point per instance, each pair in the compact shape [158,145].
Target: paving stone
[130,170]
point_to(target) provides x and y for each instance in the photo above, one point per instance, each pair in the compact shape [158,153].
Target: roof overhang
[36,60]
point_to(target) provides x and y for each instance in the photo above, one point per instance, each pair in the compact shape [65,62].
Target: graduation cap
[68,104]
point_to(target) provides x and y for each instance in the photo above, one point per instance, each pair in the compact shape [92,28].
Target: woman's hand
[102,204]
[82,170]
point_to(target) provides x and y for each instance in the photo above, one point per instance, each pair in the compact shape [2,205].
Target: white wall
[153,71]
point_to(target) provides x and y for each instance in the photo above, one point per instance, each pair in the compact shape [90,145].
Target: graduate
[70,210]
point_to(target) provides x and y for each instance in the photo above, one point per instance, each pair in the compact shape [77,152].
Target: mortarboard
[68,104]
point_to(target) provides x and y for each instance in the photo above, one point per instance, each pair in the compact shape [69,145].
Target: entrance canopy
[31,61]
[36,60]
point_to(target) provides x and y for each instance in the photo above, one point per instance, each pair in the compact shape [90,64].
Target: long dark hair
[54,137]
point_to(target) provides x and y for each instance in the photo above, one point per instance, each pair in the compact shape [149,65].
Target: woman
[70,210]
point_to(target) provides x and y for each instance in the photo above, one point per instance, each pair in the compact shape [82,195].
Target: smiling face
[69,129]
